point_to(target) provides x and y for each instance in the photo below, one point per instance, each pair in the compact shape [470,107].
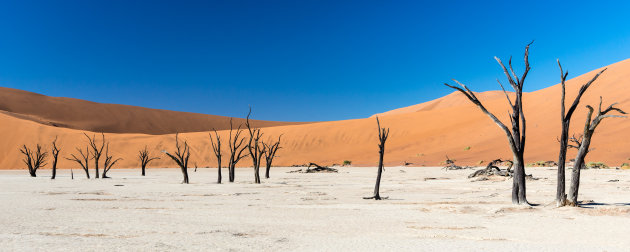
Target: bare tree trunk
[34,160]
[83,161]
[584,145]
[96,151]
[516,137]
[109,162]
[270,154]
[55,154]
[235,144]
[216,148]
[256,148]
[267,168]
[518,181]
[181,156]
[382,137]
[561,197]
[577,167]
[145,158]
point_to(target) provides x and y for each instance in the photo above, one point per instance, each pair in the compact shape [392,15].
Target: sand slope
[422,135]
[113,118]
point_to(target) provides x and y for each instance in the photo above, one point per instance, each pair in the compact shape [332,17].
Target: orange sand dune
[422,135]
[112,118]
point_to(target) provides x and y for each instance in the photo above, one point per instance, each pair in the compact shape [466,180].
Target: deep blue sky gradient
[296,60]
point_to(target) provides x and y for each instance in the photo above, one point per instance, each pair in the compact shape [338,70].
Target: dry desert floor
[429,209]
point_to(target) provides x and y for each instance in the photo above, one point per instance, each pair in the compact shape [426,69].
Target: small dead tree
[516,137]
[145,157]
[83,161]
[96,150]
[34,160]
[237,147]
[109,162]
[182,154]
[565,119]
[55,156]
[216,148]
[584,145]
[255,146]
[382,138]
[270,154]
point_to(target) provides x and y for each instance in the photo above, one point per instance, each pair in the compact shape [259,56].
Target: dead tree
[145,157]
[565,119]
[382,137]
[83,161]
[516,137]
[584,145]
[270,154]
[55,156]
[235,144]
[34,160]
[216,148]
[109,162]
[96,150]
[182,154]
[492,169]
[255,146]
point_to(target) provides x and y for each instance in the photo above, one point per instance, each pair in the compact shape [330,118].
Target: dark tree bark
[565,118]
[145,158]
[270,154]
[96,151]
[516,137]
[256,147]
[216,148]
[382,138]
[34,160]
[237,147]
[182,154]
[83,161]
[584,145]
[55,155]
[109,162]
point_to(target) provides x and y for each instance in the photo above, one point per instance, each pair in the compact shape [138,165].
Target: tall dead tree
[255,147]
[270,154]
[34,160]
[216,148]
[96,151]
[585,143]
[83,161]
[237,147]
[565,118]
[516,137]
[55,156]
[382,138]
[109,162]
[182,154]
[145,157]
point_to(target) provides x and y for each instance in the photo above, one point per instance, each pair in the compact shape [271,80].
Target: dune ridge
[111,118]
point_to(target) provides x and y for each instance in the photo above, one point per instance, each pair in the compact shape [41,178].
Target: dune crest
[111,118]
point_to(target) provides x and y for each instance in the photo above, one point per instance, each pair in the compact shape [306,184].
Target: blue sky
[296,60]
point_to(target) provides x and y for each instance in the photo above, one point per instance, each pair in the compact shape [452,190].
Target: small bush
[480,162]
[542,164]
[347,162]
[625,166]
[467,148]
[597,165]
